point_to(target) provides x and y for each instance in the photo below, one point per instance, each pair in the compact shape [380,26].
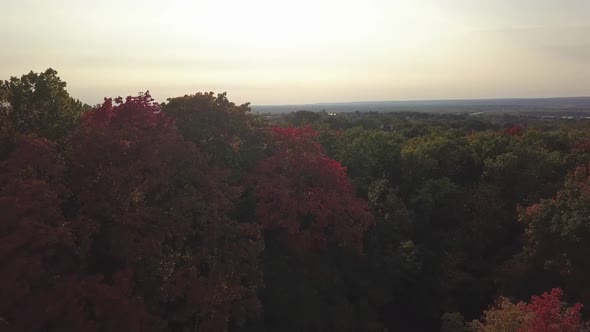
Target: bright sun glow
[270,28]
[302,51]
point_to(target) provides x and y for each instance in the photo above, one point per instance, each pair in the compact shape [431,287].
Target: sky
[303,51]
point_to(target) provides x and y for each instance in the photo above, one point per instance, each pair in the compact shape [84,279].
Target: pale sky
[303,51]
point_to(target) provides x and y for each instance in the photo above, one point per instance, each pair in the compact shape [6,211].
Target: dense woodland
[197,215]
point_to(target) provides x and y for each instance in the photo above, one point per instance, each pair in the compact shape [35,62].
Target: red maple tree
[306,196]
[548,313]
[41,284]
[163,208]
[515,130]
[129,231]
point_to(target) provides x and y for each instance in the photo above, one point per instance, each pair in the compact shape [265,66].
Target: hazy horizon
[425,100]
[286,52]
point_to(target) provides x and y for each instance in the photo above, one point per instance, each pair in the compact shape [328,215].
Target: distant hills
[569,104]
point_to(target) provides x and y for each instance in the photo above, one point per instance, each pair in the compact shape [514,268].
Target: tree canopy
[197,214]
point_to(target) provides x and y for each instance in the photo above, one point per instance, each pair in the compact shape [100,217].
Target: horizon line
[419,100]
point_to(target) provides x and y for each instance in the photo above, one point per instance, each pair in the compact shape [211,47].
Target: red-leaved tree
[42,287]
[548,313]
[129,231]
[515,130]
[306,197]
[161,209]
[545,313]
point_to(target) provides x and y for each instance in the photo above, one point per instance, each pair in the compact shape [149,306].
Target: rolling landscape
[294,166]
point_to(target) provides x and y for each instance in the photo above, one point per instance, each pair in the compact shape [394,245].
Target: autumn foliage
[544,313]
[197,215]
[135,218]
[306,197]
[42,253]
[548,313]
[515,131]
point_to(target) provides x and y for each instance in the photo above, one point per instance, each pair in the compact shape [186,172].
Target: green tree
[436,155]
[301,118]
[486,145]
[369,155]
[229,132]
[558,232]
[526,172]
[37,104]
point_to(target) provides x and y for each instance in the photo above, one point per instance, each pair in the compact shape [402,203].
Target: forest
[196,214]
